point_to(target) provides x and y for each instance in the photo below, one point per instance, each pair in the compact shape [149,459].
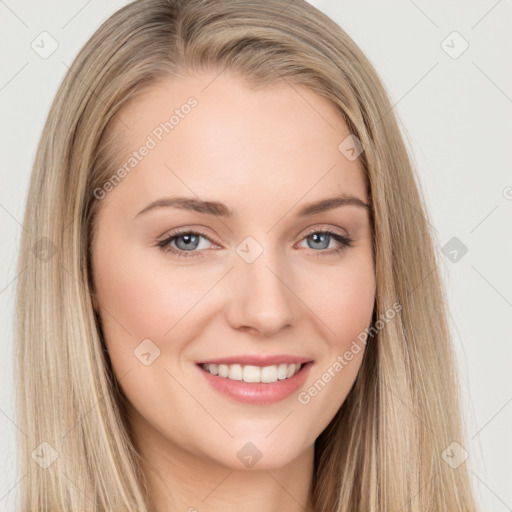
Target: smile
[250,373]
[264,385]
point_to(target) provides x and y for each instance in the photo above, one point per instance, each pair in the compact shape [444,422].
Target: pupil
[188,240]
[317,236]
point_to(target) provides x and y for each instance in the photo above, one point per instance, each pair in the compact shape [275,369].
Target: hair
[383,449]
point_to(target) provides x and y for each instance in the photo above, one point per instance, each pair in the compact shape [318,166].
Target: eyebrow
[221,210]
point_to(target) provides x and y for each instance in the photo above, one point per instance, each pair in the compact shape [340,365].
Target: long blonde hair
[383,451]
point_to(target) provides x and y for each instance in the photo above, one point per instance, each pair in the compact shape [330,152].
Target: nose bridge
[264,299]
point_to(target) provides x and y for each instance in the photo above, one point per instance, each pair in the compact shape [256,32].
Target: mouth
[253,373]
[256,385]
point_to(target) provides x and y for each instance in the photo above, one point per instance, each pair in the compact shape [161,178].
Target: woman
[231,297]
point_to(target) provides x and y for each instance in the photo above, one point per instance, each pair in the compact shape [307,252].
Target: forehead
[213,135]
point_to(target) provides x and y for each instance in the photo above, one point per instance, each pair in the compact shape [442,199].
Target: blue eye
[320,237]
[187,242]
[190,242]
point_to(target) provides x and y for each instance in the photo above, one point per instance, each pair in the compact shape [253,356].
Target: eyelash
[344,240]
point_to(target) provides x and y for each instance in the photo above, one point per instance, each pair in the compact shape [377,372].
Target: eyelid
[326,227]
[344,241]
[183,231]
[313,229]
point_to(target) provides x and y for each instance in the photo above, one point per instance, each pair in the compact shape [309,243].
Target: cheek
[343,298]
[344,307]
[144,299]
[350,306]
[139,301]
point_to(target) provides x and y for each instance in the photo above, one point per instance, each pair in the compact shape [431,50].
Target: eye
[187,242]
[320,239]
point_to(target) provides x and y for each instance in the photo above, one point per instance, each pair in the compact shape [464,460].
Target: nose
[264,301]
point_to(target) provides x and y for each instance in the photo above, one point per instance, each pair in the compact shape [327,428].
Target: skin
[265,154]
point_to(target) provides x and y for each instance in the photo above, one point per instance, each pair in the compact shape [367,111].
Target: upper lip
[258,360]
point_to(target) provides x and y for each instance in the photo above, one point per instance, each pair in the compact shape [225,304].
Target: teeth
[249,373]
[235,372]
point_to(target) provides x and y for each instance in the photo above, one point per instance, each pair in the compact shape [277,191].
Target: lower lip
[258,393]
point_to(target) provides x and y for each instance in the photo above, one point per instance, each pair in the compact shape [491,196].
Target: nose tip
[264,303]
[263,326]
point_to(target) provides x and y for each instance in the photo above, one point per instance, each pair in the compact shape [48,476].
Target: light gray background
[456,114]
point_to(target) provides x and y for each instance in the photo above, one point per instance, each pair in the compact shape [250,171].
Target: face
[182,283]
